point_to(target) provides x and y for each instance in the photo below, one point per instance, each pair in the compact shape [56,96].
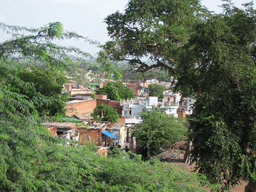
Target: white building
[171,102]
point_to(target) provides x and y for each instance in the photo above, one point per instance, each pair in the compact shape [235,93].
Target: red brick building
[80,107]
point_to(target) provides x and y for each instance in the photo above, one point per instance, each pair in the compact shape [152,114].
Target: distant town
[82,103]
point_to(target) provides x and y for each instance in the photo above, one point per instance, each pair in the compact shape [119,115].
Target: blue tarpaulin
[108,134]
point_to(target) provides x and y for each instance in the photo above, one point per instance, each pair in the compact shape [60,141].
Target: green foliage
[41,87]
[156,90]
[156,32]
[109,113]
[48,82]
[213,57]
[108,67]
[131,74]
[157,130]
[220,68]
[32,160]
[116,91]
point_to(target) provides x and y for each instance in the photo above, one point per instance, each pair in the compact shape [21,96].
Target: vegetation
[157,130]
[213,57]
[105,112]
[131,74]
[156,32]
[46,83]
[156,90]
[116,91]
[32,160]
[108,67]
[224,115]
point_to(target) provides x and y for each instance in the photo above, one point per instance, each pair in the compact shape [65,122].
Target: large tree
[156,130]
[152,29]
[220,68]
[212,57]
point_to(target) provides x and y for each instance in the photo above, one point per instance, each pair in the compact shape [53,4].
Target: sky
[85,17]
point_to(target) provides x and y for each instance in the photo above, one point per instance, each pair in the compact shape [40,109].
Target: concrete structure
[120,132]
[173,104]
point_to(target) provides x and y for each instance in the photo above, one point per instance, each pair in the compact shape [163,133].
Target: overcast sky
[85,17]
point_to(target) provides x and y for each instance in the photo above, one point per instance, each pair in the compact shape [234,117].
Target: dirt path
[189,168]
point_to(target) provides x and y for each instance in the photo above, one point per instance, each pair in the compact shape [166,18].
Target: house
[135,86]
[63,130]
[95,132]
[120,133]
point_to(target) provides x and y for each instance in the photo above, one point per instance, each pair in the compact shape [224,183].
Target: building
[91,132]
[173,103]
[80,107]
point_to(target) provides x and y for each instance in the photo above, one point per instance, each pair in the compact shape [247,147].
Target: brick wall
[89,135]
[135,87]
[121,120]
[181,113]
[108,102]
[53,131]
[101,97]
[80,107]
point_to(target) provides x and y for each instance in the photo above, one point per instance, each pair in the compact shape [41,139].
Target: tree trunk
[250,187]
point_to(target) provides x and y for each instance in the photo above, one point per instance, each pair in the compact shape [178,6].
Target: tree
[116,91]
[47,83]
[156,90]
[156,32]
[213,58]
[220,69]
[34,46]
[105,112]
[108,67]
[156,130]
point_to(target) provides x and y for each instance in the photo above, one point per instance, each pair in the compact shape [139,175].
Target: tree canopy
[220,68]
[116,91]
[47,83]
[213,57]
[156,32]
[156,130]
[156,90]
[105,112]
